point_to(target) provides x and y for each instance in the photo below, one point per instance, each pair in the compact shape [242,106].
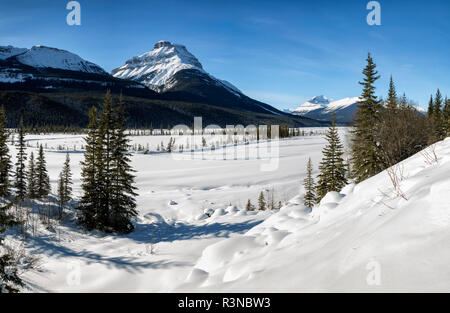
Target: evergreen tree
[123,203]
[108,201]
[430,108]
[249,206]
[67,180]
[104,165]
[9,279]
[446,117]
[21,176]
[61,194]
[42,178]
[32,185]
[438,121]
[5,159]
[310,196]
[391,102]
[64,184]
[89,201]
[366,157]
[332,168]
[403,102]
[261,202]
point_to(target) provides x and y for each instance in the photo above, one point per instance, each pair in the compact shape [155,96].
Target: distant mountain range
[321,108]
[166,85]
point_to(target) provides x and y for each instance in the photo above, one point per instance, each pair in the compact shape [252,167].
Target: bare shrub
[429,154]
[402,132]
[396,175]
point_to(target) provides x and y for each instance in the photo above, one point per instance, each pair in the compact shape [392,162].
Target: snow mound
[364,238]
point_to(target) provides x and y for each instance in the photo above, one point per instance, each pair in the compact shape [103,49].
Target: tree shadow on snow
[46,245]
[163,232]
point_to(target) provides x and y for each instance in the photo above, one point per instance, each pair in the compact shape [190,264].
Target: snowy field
[364,239]
[175,190]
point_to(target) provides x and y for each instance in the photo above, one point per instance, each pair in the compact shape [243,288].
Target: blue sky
[280,52]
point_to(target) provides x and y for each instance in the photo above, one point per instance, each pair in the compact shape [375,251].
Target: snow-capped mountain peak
[321,108]
[319,100]
[156,67]
[47,57]
[315,103]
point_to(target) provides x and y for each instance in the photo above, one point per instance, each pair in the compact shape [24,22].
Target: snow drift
[363,239]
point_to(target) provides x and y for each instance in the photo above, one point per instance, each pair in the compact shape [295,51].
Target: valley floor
[172,230]
[364,239]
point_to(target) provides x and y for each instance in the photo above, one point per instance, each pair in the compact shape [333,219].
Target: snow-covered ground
[172,229]
[364,239]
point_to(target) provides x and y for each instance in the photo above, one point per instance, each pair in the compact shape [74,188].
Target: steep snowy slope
[363,239]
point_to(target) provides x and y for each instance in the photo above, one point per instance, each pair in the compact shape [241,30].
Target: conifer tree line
[108,200]
[439,116]
[387,132]
[384,133]
[31,181]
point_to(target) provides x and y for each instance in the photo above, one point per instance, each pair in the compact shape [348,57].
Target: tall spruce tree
[404,102]
[365,154]
[332,175]
[123,203]
[108,201]
[10,281]
[89,201]
[67,180]
[104,165]
[261,202]
[5,158]
[438,121]
[64,185]
[430,108]
[392,102]
[42,178]
[32,184]
[21,175]
[308,183]
[446,117]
